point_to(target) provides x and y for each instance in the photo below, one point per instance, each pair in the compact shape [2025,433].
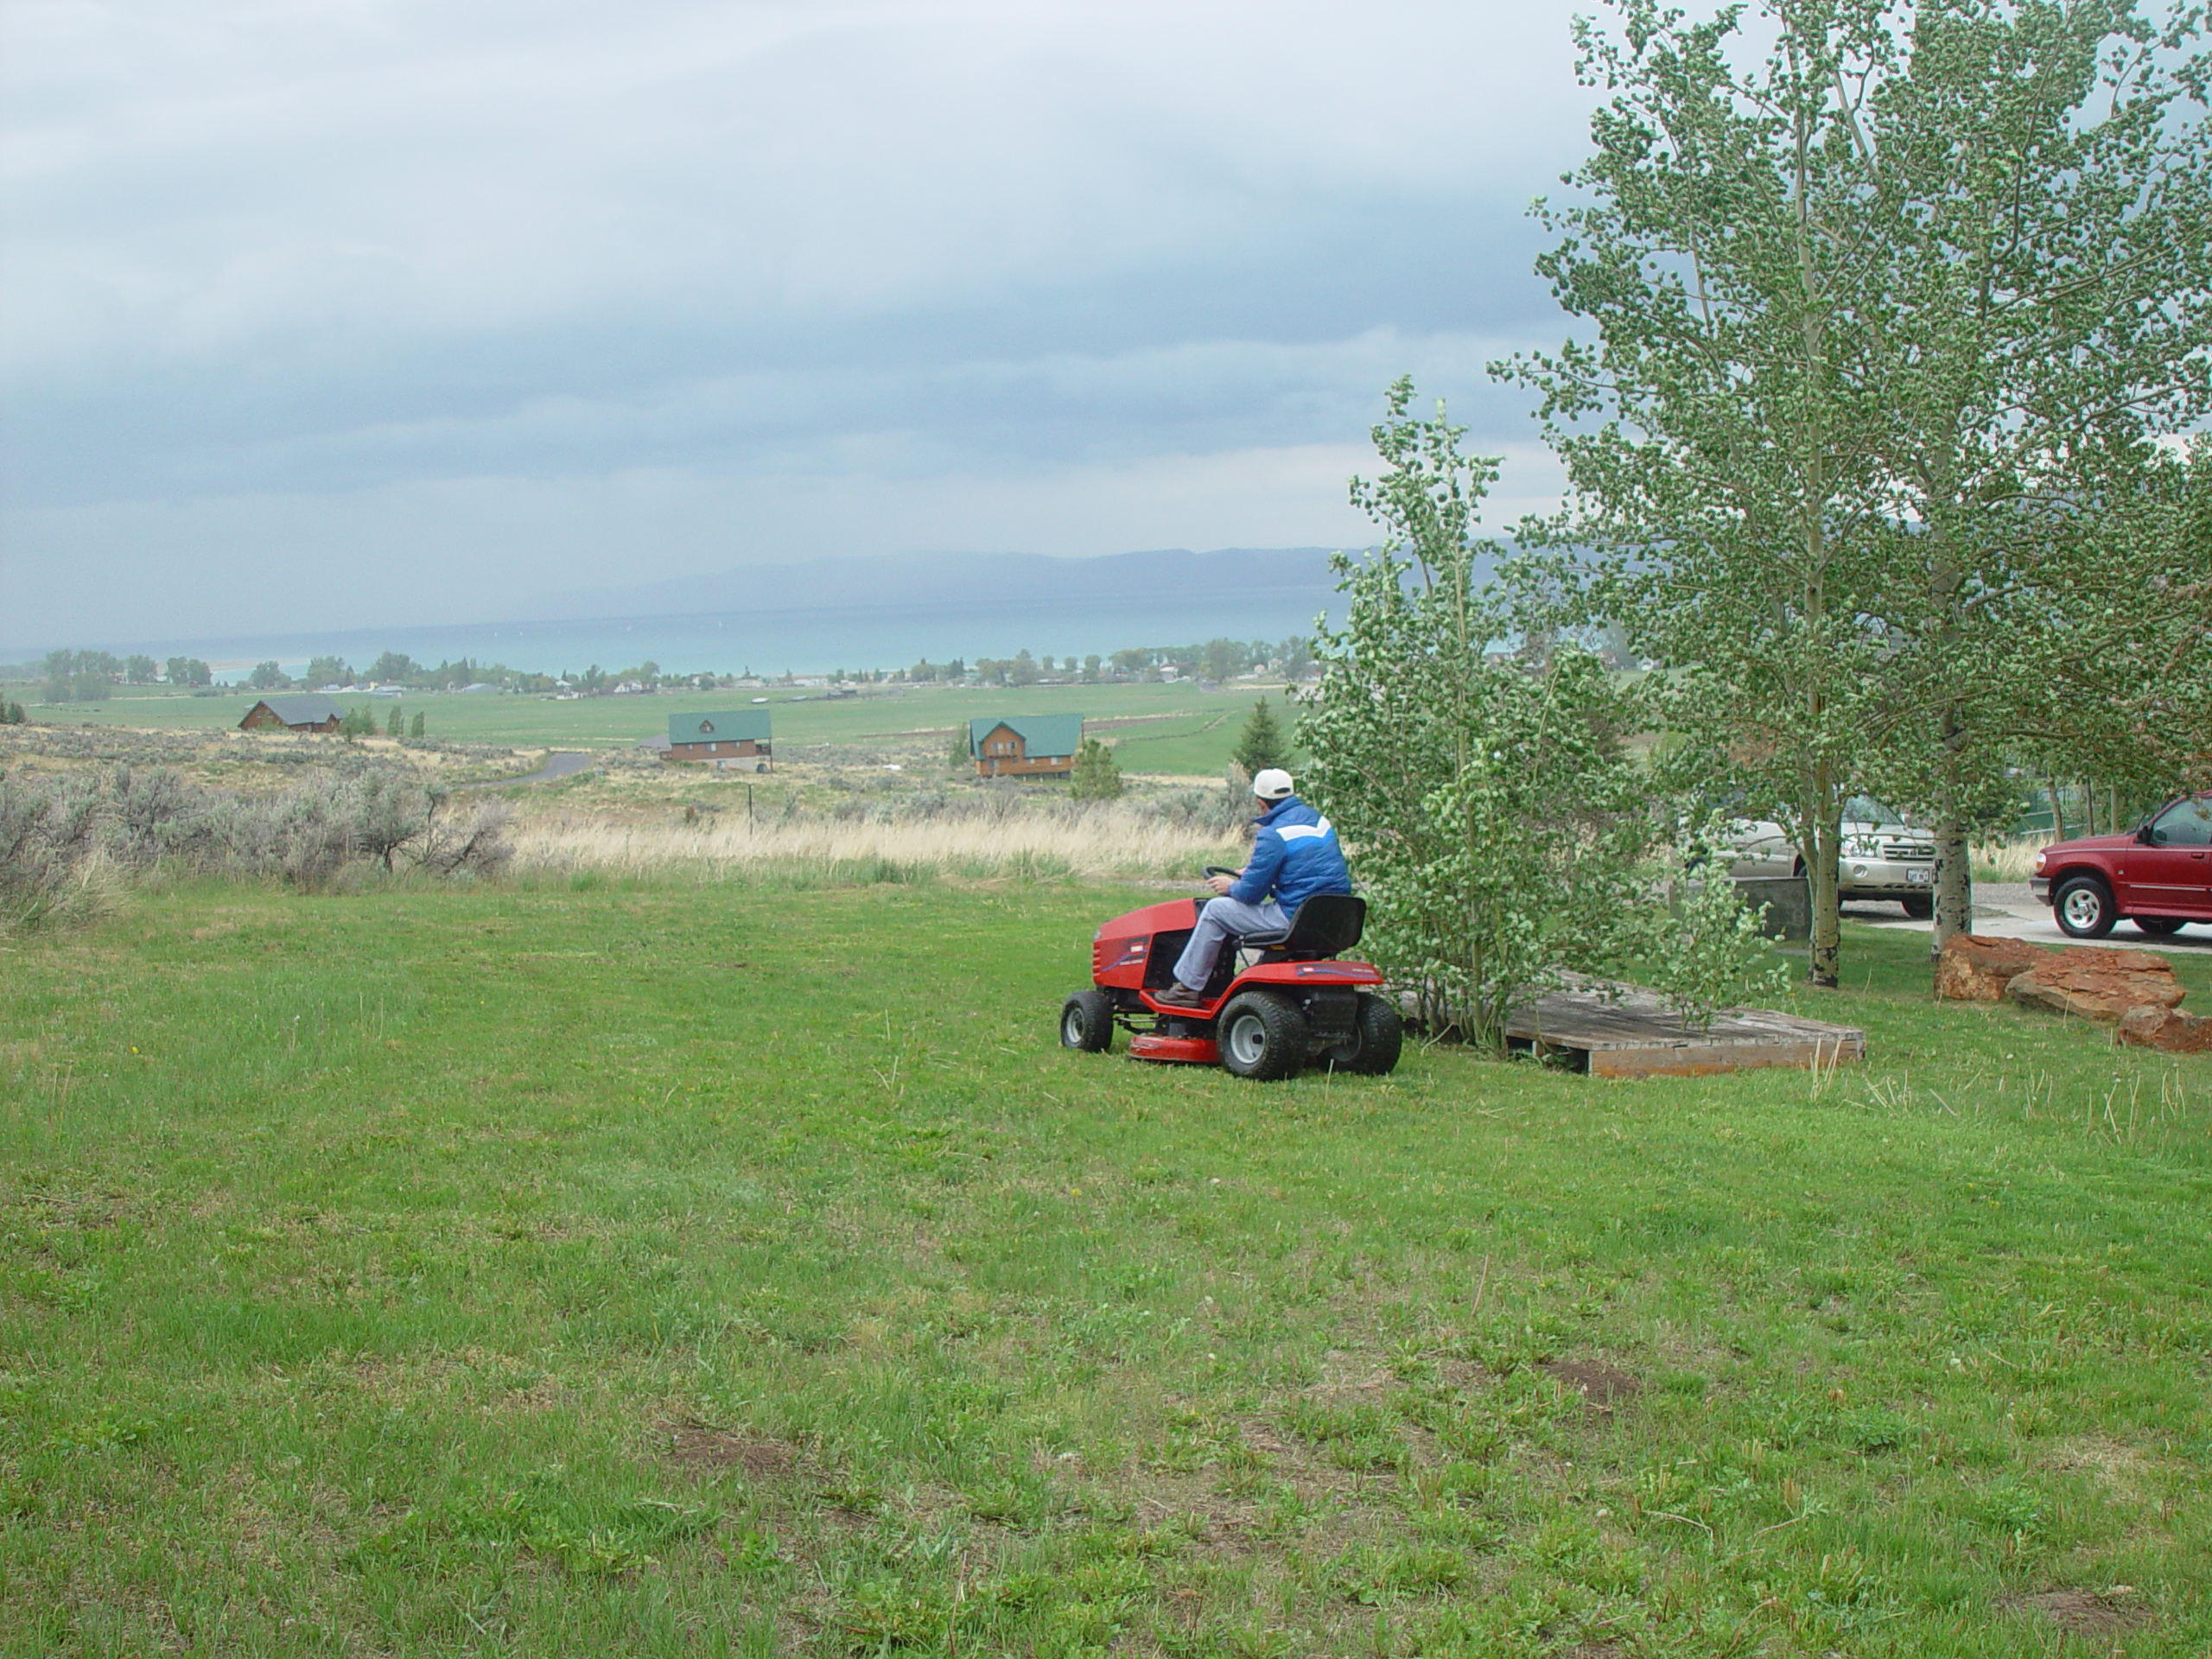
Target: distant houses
[733,738]
[1025,746]
[304,711]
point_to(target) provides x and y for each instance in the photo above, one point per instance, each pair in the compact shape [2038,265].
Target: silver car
[1884,855]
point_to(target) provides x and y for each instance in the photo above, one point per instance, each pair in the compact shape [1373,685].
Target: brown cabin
[729,739]
[1025,746]
[307,711]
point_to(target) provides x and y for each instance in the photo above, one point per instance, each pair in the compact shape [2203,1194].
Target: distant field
[599,1267]
[1186,730]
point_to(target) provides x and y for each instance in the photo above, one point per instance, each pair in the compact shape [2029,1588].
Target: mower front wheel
[1377,1035]
[1087,1021]
[1263,1038]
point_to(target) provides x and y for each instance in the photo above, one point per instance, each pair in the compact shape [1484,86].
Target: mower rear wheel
[1087,1021]
[1261,1037]
[1377,1035]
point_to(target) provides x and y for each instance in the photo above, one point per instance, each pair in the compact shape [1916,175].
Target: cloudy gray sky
[328,313]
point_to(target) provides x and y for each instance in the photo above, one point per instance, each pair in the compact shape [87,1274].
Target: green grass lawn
[1181,729]
[695,1271]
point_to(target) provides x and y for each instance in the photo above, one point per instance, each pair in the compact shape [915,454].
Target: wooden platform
[1639,1036]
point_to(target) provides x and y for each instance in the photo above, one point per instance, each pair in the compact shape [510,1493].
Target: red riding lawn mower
[1276,1002]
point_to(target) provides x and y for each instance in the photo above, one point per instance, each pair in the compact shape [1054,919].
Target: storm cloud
[443,301]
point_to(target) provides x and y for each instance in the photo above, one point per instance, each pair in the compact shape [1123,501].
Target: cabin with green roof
[737,737]
[1025,745]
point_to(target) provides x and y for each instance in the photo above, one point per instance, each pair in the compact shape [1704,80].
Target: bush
[67,844]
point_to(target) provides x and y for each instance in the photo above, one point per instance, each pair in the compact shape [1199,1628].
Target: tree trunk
[1825,953]
[1953,885]
[1953,872]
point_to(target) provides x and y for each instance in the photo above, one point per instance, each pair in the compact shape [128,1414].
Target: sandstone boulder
[1971,968]
[2093,982]
[2168,1029]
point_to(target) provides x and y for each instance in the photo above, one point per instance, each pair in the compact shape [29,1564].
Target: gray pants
[1220,918]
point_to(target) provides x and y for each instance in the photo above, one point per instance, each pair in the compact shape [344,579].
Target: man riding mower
[1248,979]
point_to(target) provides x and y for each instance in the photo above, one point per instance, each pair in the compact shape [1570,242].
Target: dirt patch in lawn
[692,1448]
[2081,1612]
[1602,1386]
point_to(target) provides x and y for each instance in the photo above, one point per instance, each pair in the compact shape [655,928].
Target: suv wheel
[2159,927]
[2083,906]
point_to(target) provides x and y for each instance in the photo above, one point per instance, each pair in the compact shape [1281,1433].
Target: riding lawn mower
[1277,1001]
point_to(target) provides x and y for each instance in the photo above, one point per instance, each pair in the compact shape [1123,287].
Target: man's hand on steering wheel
[1221,879]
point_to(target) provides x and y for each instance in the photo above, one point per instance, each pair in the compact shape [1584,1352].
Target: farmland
[676,1267]
[1174,728]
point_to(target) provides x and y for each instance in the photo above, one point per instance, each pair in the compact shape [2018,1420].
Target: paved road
[563,764]
[2009,910]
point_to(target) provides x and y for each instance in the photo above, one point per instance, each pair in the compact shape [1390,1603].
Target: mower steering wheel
[1216,869]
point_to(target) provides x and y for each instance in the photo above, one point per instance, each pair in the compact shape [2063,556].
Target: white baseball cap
[1272,785]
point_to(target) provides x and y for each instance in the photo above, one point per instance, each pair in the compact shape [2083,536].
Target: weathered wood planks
[1634,1034]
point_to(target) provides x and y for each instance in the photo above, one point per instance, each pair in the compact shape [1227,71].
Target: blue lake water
[802,641]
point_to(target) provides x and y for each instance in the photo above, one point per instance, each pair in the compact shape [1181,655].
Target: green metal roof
[722,726]
[1041,734]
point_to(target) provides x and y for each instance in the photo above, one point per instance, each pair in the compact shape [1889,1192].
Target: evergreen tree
[417,728]
[392,725]
[1260,744]
[1098,775]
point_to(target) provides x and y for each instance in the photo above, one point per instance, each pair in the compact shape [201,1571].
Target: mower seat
[1324,925]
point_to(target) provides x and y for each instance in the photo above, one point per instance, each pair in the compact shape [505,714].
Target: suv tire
[2082,907]
[1920,906]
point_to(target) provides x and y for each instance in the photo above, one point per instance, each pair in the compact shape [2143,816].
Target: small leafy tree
[357,721]
[139,669]
[394,723]
[1098,775]
[188,670]
[418,725]
[1260,744]
[1705,948]
[958,753]
[1491,806]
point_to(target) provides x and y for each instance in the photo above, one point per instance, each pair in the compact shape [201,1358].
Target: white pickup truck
[1884,855]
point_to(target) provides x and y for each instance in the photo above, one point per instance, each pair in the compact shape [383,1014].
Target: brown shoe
[1180,997]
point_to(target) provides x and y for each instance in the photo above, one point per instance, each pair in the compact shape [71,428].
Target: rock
[2167,1029]
[2095,983]
[1972,969]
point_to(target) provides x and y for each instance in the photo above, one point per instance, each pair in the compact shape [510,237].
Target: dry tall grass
[2008,861]
[1106,841]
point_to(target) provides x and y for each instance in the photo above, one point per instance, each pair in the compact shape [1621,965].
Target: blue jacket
[1295,855]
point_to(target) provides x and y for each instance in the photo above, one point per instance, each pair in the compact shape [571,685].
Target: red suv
[2160,877]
